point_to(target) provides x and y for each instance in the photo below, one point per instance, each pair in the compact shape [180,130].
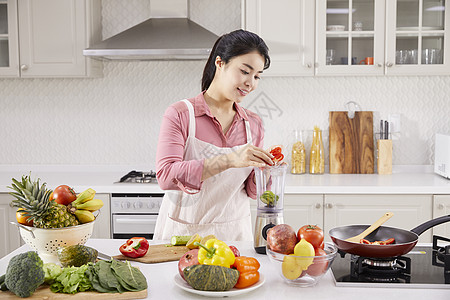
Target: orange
[22,219]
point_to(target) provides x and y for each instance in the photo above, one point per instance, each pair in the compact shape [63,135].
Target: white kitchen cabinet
[420,30]
[102,226]
[287,27]
[441,207]
[353,37]
[341,35]
[46,38]
[409,211]
[9,234]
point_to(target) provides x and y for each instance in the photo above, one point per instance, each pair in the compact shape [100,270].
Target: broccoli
[24,274]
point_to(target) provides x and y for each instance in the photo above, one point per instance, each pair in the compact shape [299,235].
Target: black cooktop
[420,268]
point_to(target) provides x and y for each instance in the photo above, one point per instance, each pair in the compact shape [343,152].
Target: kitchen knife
[386,130]
[381,130]
[103,256]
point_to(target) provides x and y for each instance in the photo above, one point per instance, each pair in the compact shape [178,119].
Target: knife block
[384,155]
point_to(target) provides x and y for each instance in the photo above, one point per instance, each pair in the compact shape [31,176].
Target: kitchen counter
[160,278]
[404,180]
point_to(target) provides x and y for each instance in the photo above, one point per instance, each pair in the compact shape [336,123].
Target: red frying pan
[405,240]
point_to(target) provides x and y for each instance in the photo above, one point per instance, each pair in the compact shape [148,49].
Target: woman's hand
[250,156]
[247,156]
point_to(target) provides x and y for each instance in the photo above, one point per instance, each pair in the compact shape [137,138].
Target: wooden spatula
[371,228]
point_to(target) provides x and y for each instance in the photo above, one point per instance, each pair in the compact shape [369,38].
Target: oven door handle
[134,221]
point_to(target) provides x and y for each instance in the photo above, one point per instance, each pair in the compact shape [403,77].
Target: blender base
[265,221]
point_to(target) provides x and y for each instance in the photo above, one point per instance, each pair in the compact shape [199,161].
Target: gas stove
[139,177]
[423,267]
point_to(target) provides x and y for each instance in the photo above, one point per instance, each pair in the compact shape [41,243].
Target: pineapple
[33,198]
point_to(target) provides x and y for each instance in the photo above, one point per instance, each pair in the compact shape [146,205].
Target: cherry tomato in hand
[312,234]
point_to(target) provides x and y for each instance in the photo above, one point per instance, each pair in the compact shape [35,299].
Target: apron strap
[190,107]
[249,132]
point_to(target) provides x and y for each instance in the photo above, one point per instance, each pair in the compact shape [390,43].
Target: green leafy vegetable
[72,280]
[115,276]
[51,271]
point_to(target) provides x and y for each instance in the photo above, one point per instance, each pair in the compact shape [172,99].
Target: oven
[134,214]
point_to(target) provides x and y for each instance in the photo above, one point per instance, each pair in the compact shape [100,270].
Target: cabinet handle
[379,65]
[441,206]
[329,205]
[389,64]
[309,65]
[24,67]
[318,205]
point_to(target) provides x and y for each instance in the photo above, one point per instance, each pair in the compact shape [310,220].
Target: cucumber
[210,277]
[180,240]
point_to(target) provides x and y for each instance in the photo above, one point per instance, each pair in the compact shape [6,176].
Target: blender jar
[270,188]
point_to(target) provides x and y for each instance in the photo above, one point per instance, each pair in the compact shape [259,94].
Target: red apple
[188,259]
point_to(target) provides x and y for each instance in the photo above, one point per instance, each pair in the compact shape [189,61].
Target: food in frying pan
[386,242]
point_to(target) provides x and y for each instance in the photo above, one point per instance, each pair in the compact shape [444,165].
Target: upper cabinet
[350,37]
[287,26]
[417,37]
[353,37]
[46,38]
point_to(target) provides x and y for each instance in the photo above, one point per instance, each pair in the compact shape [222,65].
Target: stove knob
[151,205]
[138,204]
[125,204]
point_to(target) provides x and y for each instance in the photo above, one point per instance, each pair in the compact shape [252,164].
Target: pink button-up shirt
[173,135]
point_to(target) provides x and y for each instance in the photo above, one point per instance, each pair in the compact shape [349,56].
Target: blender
[269,195]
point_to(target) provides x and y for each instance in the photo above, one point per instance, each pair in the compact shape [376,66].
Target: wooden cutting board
[351,143]
[44,292]
[158,253]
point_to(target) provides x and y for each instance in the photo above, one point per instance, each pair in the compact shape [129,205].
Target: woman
[208,146]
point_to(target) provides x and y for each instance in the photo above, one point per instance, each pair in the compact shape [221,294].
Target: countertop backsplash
[115,119]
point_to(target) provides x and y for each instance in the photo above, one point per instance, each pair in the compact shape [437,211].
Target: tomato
[312,234]
[22,219]
[319,265]
[63,194]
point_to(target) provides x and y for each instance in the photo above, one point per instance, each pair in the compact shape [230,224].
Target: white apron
[221,207]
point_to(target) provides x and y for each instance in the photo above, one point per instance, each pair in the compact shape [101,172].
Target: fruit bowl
[46,241]
[303,271]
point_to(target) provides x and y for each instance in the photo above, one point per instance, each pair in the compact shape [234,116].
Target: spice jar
[317,159]
[298,159]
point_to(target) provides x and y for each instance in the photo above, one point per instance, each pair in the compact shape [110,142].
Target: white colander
[46,242]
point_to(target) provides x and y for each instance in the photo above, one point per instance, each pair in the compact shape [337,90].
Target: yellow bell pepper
[215,252]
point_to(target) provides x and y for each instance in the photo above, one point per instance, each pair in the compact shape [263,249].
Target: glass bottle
[317,159]
[298,158]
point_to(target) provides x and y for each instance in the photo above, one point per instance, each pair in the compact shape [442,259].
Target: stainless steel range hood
[158,38]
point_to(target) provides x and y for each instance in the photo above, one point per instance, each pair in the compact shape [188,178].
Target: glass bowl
[303,271]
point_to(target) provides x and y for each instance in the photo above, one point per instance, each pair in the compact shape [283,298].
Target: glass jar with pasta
[298,156]
[317,159]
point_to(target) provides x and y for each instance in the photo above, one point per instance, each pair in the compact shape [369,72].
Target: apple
[188,259]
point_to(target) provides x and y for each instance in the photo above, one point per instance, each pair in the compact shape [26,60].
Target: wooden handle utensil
[371,228]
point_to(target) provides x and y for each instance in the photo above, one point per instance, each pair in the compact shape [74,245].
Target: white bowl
[47,241]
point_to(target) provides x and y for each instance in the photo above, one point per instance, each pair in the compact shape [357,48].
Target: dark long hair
[233,44]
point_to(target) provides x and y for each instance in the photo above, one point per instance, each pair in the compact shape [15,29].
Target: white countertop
[404,180]
[160,278]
